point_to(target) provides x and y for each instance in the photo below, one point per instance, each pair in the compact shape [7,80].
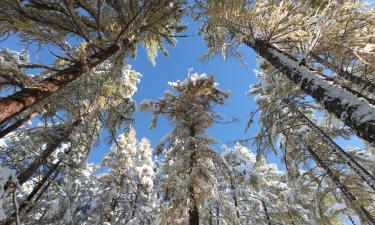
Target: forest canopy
[68,90]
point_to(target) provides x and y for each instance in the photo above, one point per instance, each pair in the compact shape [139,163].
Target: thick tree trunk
[348,159]
[42,158]
[13,105]
[193,211]
[359,81]
[363,213]
[355,112]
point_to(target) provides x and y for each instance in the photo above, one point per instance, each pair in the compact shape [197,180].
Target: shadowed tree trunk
[266,213]
[235,200]
[16,124]
[355,112]
[42,158]
[37,189]
[193,211]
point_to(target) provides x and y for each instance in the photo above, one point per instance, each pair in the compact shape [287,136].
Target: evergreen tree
[270,28]
[189,176]
[103,29]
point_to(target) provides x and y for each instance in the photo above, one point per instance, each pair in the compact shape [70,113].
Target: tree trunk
[10,219]
[363,213]
[355,112]
[348,159]
[266,213]
[193,211]
[359,81]
[211,221]
[51,147]
[235,201]
[13,105]
[40,184]
[16,124]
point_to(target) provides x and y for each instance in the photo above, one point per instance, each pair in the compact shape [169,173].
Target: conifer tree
[189,177]
[288,123]
[125,194]
[103,29]
[275,29]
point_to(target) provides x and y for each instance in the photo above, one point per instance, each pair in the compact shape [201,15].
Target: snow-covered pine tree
[100,30]
[264,195]
[275,29]
[288,123]
[70,124]
[125,189]
[189,175]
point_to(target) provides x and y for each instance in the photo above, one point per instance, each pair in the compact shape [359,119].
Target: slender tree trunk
[211,221]
[30,170]
[40,184]
[13,105]
[16,124]
[266,213]
[363,213]
[235,201]
[348,159]
[10,219]
[193,211]
[217,213]
[350,218]
[355,112]
[359,81]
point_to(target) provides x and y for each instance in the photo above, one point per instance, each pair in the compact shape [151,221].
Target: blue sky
[230,75]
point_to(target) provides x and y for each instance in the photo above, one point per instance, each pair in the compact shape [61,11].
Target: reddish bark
[13,105]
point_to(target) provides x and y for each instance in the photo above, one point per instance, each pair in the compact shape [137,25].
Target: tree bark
[363,213]
[235,201]
[13,105]
[193,211]
[355,112]
[51,147]
[40,184]
[16,124]
[35,191]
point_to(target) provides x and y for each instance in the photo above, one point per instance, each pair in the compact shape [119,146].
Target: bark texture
[355,112]
[13,105]
[193,211]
